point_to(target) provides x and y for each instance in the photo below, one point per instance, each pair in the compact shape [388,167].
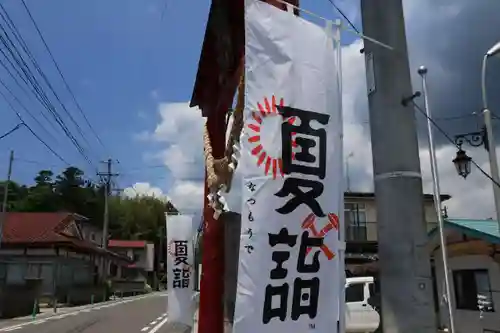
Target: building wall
[68,270]
[91,233]
[371,215]
[144,262]
[468,321]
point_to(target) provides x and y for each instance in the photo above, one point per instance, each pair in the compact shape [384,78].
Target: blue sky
[125,64]
[121,60]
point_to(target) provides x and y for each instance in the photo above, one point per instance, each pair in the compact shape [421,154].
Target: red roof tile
[35,227]
[127,243]
[46,229]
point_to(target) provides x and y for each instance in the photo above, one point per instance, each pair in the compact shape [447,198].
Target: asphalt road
[145,314]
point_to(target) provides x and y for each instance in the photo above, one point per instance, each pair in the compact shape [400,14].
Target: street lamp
[475,139]
[462,163]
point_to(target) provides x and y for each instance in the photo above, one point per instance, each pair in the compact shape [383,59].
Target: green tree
[44,178]
[140,217]
[69,188]
[41,197]
[16,194]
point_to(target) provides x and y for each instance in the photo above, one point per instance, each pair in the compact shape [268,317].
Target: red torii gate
[219,71]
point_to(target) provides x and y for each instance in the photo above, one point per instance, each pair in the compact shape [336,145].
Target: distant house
[474,263]
[57,248]
[141,253]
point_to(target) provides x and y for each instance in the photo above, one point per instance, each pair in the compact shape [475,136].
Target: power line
[447,136]
[29,75]
[25,108]
[37,89]
[31,130]
[11,131]
[23,160]
[344,16]
[62,75]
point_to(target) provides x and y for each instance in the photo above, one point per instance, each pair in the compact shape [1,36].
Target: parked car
[361,316]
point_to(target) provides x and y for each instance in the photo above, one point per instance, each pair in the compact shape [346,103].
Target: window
[355,221]
[33,271]
[473,290]
[355,214]
[355,293]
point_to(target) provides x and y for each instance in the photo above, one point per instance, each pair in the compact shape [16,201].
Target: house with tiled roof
[473,252]
[60,249]
[141,254]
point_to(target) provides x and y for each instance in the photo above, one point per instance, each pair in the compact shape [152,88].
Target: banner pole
[342,306]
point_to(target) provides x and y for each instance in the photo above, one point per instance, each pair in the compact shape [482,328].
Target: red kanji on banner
[310,224]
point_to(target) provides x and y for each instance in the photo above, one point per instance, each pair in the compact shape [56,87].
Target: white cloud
[181,128]
[187,195]
[471,197]
[142,136]
[144,189]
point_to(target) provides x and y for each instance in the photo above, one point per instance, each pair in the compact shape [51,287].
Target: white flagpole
[342,305]
[422,71]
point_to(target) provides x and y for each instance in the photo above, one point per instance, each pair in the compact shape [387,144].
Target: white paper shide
[289,274]
[180,268]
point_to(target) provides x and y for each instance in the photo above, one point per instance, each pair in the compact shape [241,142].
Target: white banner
[180,268]
[289,277]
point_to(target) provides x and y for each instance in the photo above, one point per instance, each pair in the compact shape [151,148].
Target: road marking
[74,313]
[157,327]
[144,329]
[154,322]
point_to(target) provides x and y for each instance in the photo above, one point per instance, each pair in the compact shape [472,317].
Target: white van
[361,317]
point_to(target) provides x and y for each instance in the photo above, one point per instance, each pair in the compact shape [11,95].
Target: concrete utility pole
[405,275]
[6,195]
[107,191]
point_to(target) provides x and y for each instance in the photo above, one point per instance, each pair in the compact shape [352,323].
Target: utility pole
[405,275]
[6,195]
[107,191]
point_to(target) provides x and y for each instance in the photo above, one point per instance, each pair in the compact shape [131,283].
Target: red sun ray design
[257,150]
[257,118]
[273,164]
[255,138]
[261,158]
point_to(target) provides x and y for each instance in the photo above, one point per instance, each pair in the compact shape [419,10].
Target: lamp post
[422,71]
[462,161]
[495,50]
